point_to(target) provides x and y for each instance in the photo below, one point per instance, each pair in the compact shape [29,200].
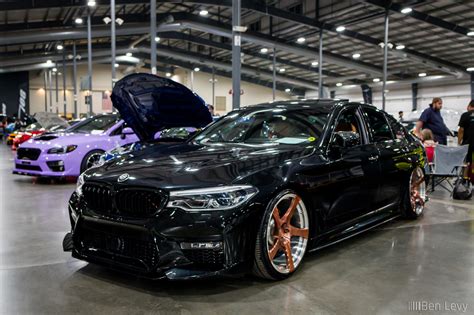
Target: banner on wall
[366,93]
[106,101]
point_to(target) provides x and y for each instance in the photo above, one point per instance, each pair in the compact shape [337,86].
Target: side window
[118,130]
[378,125]
[348,121]
[398,130]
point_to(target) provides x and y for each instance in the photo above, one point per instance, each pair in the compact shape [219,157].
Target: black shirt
[467,123]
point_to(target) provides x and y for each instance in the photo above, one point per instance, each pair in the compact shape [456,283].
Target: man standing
[400,116]
[466,130]
[431,119]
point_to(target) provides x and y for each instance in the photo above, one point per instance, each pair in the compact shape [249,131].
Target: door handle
[373,158]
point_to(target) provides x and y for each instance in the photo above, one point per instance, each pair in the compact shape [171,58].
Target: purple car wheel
[91,159]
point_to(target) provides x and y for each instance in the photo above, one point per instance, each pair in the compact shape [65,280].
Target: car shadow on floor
[31,180]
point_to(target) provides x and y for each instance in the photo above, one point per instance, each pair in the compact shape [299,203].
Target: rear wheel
[91,159]
[282,238]
[415,195]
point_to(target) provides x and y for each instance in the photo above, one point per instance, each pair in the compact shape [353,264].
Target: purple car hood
[63,139]
[149,103]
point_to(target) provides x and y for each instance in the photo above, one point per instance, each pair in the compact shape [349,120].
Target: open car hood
[149,103]
[48,120]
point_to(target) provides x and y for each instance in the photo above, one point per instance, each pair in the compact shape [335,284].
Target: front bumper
[40,167]
[174,244]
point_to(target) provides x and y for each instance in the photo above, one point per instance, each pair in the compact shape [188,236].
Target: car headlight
[215,198]
[62,150]
[80,182]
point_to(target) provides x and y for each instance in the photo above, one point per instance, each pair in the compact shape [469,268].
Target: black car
[256,190]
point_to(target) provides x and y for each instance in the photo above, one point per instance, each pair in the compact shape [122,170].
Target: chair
[448,163]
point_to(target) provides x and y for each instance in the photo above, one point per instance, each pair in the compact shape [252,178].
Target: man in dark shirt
[431,119]
[466,130]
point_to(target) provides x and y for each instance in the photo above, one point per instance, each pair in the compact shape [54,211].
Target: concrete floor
[379,272]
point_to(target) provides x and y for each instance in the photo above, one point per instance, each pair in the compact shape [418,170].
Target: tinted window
[378,125]
[347,121]
[266,126]
[95,124]
[398,130]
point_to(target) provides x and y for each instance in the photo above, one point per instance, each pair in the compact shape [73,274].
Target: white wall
[101,81]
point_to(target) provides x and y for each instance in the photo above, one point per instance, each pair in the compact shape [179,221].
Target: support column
[274,73]
[153,35]
[112,39]
[74,74]
[45,90]
[320,65]
[236,62]
[213,85]
[414,96]
[89,58]
[385,59]
[57,87]
[50,77]
[64,81]
[472,85]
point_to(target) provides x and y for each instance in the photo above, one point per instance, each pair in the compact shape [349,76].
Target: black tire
[291,237]
[414,195]
[86,159]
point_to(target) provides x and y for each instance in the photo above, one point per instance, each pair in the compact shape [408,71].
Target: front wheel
[282,238]
[414,198]
[91,159]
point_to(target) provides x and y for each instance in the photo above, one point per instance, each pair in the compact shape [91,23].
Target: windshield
[177,133]
[96,124]
[33,127]
[268,127]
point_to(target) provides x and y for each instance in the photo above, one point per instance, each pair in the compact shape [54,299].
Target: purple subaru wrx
[72,152]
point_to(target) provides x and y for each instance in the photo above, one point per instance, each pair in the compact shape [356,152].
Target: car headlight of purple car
[213,198]
[62,150]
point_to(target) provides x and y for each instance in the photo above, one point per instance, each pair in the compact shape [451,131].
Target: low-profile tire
[90,158]
[414,195]
[282,238]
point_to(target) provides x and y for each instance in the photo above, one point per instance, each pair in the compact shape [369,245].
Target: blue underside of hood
[149,103]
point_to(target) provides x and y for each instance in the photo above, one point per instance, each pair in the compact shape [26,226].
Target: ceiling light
[78,20]
[78,57]
[59,47]
[168,74]
[196,69]
[55,69]
[338,84]
[406,10]
[301,40]
[282,70]
[314,63]
[264,50]
[470,69]
[91,3]
[107,20]
[119,21]
[129,54]
[287,90]
[422,74]
[340,29]
[49,62]
[400,47]
[376,80]
[356,56]
[203,12]
[157,39]
[116,65]
[470,33]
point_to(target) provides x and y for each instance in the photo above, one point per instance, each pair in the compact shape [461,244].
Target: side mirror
[346,139]
[126,131]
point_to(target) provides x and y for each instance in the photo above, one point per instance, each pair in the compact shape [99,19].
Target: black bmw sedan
[255,191]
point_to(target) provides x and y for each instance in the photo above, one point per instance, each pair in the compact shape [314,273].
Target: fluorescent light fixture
[282,70]
[470,69]
[422,74]
[59,47]
[197,69]
[55,69]
[119,21]
[107,20]
[49,62]
[116,65]
[157,39]
[400,47]
[406,10]
[78,20]
[356,56]
[376,80]
[264,50]
[203,12]
[340,29]
[338,84]
[287,90]
[470,33]
[91,3]
[129,54]
[314,64]
[301,40]
[168,74]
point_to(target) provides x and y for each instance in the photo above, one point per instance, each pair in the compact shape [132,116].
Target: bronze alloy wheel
[417,191]
[287,233]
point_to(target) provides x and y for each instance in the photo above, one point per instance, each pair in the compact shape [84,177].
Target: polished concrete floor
[381,271]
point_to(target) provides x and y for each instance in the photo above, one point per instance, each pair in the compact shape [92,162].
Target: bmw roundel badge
[122,178]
